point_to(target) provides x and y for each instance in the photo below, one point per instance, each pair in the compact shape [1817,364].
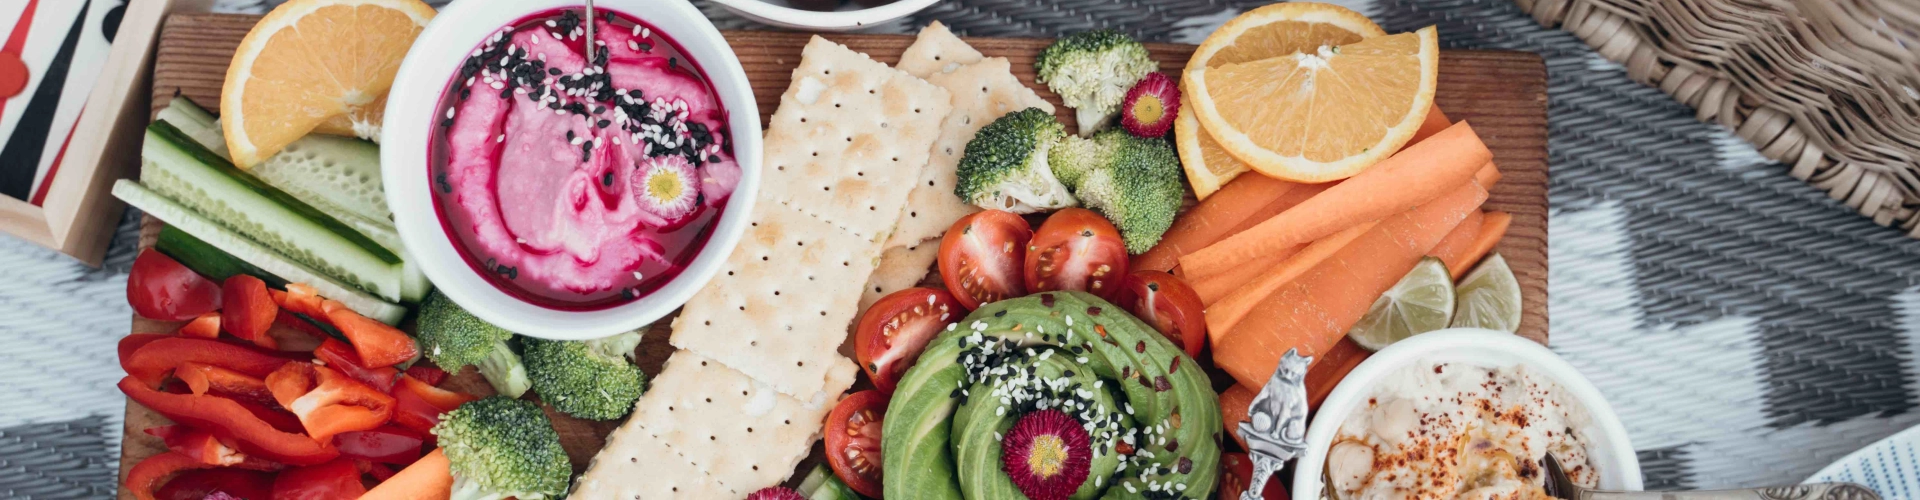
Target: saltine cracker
[850,136]
[778,309]
[744,434]
[900,268]
[936,50]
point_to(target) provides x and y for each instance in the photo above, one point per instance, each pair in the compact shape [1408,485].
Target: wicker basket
[1830,88]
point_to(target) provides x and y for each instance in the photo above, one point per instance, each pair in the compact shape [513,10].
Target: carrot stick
[1436,121]
[1226,310]
[1487,176]
[1457,247]
[1234,405]
[430,477]
[1491,230]
[1241,199]
[1315,310]
[1415,176]
[1213,288]
[1328,369]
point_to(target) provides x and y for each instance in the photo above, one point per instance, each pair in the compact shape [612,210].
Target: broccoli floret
[1005,166]
[1134,182]
[453,338]
[591,380]
[1092,72]
[501,447]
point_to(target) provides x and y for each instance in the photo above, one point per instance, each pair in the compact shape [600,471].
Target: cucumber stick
[240,247]
[340,176]
[209,261]
[186,172]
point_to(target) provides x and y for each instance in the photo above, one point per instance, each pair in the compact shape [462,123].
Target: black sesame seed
[1069,373]
[673,62]
[603,123]
[553,71]
[1001,314]
[1077,350]
[606,179]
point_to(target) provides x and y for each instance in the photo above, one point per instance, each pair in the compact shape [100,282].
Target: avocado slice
[945,419]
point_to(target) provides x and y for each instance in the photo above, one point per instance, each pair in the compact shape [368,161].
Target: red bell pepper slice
[248,309]
[161,288]
[232,421]
[432,375]
[134,342]
[207,484]
[327,401]
[418,405]
[379,344]
[202,378]
[208,449]
[388,444]
[146,477]
[273,415]
[207,326]
[151,362]
[335,480]
[299,298]
[340,356]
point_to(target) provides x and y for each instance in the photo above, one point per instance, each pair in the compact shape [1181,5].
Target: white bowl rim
[830,20]
[414,100]
[1611,449]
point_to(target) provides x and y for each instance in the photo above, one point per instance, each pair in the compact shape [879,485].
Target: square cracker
[637,466]
[900,268]
[778,309]
[849,138]
[982,92]
[744,434]
[936,50]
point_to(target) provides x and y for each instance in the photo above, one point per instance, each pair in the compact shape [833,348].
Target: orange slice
[1208,165]
[309,62]
[1266,32]
[1281,29]
[1320,116]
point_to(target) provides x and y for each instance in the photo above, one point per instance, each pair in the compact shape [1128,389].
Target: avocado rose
[1150,417]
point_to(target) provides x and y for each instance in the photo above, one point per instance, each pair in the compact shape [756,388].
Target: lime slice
[1489,297]
[1421,302]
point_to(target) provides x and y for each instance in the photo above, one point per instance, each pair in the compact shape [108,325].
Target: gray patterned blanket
[1748,329]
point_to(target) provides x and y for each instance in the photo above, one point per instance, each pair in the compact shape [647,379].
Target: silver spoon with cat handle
[1276,430]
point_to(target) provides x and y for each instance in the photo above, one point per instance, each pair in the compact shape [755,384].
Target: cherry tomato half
[1077,249]
[1236,473]
[891,334]
[853,441]
[161,288]
[1167,303]
[981,255]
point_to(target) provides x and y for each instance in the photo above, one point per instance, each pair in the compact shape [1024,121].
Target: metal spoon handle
[590,49]
[1811,491]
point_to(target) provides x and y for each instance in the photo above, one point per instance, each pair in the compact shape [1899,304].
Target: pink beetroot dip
[574,183]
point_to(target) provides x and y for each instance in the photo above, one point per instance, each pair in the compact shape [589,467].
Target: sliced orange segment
[1280,29]
[1266,32]
[310,61]
[1320,116]
[1208,165]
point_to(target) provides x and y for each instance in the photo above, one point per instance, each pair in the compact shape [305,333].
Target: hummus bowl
[1606,445]
[506,206]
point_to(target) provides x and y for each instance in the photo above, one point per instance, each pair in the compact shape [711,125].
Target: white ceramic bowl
[1611,452]
[853,17]
[411,115]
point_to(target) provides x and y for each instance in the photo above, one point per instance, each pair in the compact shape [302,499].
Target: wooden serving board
[1502,93]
